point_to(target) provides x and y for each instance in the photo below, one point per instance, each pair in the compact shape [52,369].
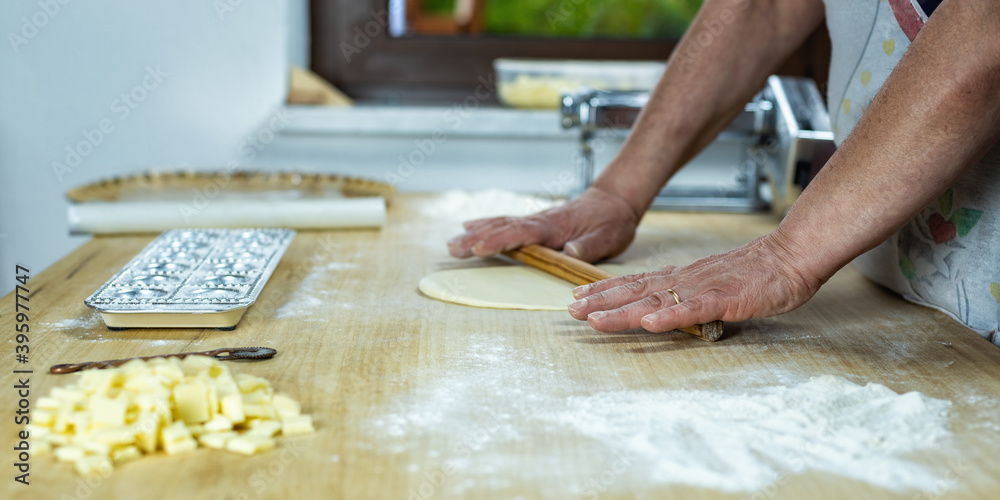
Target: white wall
[298,33]
[202,80]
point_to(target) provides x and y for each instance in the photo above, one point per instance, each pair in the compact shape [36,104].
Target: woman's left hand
[761,278]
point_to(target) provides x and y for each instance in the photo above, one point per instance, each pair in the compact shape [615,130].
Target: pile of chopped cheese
[115,415]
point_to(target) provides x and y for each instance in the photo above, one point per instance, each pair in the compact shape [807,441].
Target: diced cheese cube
[193,365]
[180,446]
[285,405]
[171,371]
[210,371]
[95,448]
[133,367]
[69,453]
[225,386]
[114,436]
[249,383]
[232,408]
[218,424]
[143,402]
[47,403]
[216,440]
[258,397]
[147,419]
[260,411]
[177,439]
[62,422]
[141,382]
[125,454]
[154,362]
[249,445]
[145,437]
[220,371]
[106,412]
[67,394]
[192,402]
[93,465]
[213,397]
[58,439]
[97,381]
[37,431]
[266,428]
[174,432]
[196,430]
[297,425]
[79,423]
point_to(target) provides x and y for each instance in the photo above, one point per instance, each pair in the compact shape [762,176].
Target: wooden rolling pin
[579,272]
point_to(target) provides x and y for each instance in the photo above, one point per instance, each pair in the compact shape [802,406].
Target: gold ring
[676,297]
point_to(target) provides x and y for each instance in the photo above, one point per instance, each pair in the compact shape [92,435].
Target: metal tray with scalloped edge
[192,278]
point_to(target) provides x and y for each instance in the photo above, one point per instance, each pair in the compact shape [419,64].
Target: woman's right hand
[595,225]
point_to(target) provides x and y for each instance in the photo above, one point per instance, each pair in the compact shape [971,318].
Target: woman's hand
[595,225]
[756,280]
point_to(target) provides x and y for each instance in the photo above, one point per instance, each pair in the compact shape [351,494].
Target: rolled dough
[506,287]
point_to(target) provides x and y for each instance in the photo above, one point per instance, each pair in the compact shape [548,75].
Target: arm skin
[711,76]
[725,57]
[936,115]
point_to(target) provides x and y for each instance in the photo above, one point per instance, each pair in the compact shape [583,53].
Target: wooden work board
[402,386]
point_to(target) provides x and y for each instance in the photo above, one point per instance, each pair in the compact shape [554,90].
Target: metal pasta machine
[763,159]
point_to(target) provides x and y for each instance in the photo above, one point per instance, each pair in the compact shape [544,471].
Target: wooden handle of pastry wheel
[579,272]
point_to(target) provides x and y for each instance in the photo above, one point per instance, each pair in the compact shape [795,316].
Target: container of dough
[538,83]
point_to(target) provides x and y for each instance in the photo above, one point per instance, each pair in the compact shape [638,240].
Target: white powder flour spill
[466,205]
[494,413]
[91,329]
[316,290]
[743,441]
[91,320]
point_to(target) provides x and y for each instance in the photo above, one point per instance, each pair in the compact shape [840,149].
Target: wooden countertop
[398,382]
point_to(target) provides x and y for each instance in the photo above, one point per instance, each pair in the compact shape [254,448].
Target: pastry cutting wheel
[225,354]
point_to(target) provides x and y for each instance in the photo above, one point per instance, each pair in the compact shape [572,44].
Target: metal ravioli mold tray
[192,278]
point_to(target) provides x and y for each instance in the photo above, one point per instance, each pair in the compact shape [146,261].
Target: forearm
[936,115]
[723,59]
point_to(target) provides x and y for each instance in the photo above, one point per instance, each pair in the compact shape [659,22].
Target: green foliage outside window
[438,6]
[583,18]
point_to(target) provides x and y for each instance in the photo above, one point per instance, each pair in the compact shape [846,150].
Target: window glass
[622,19]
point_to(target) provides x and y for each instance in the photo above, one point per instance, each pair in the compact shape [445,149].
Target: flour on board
[468,205]
[91,320]
[742,441]
[317,289]
[494,413]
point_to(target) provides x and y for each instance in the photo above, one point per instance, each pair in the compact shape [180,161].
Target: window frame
[351,47]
